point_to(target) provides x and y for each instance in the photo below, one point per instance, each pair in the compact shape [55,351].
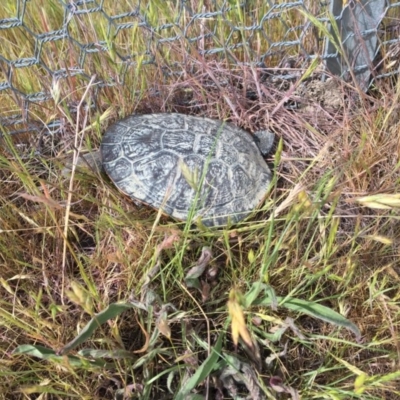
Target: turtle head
[264,140]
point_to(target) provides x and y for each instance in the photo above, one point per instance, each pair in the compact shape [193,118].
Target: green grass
[100,298]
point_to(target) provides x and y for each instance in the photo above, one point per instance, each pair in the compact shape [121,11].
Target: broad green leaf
[315,310]
[254,292]
[148,357]
[112,311]
[205,369]
[114,354]
[170,378]
[45,353]
[35,350]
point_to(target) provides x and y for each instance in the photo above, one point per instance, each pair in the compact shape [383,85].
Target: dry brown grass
[70,247]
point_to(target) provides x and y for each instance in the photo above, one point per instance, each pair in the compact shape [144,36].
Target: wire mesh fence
[52,42]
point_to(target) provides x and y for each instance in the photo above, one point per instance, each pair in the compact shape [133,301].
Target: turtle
[192,168]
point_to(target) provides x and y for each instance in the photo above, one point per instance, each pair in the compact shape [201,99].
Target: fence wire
[54,41]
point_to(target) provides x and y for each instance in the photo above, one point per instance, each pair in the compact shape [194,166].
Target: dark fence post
[357,22]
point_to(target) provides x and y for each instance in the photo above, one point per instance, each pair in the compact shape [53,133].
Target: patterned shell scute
[190,167]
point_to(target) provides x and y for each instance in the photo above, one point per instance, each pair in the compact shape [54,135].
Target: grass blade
[315,310]
[202,372]
[112,311]
[50,355]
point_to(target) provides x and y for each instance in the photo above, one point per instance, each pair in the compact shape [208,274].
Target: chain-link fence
[59,41]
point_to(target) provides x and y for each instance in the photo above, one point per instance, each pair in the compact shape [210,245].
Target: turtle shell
[189,167]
